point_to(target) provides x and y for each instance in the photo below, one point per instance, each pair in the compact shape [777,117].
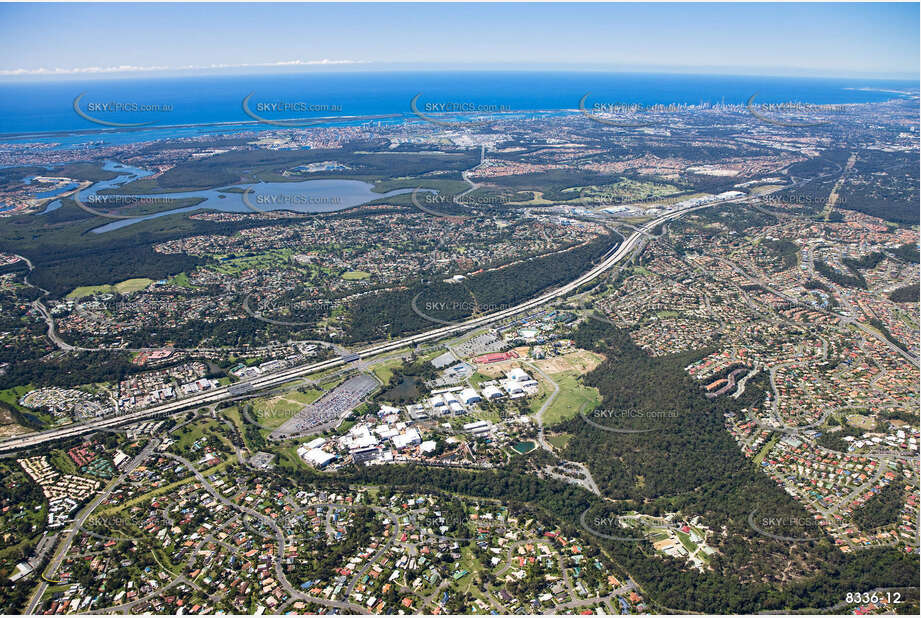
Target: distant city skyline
[43,41]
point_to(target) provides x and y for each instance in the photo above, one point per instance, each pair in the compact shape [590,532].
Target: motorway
[611,258]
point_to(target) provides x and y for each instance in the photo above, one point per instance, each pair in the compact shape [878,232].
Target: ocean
[27,108]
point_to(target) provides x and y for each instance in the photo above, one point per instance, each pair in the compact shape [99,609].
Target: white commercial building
[478,428]
[437,402]
[410,438]
[491,392]
[513,388]
[518,375]
[470,396]
[316,457]
[316,443]
[358,437]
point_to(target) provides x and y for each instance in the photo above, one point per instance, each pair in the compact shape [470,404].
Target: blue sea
[27,108]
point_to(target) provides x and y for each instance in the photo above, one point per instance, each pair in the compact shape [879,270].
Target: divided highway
[611,259]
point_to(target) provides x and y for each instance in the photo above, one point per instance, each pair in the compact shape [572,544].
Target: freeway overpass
[613,257]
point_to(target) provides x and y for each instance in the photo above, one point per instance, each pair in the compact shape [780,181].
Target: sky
[66,40]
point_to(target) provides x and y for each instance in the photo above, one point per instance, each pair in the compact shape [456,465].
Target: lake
[327,195]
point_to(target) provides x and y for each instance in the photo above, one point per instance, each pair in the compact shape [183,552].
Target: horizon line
[291,67]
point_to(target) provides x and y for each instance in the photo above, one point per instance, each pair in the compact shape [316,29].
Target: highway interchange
[613,257]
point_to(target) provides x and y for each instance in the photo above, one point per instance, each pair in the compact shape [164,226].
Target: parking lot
[328,411]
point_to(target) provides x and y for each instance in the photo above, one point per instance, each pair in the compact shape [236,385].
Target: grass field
[687,542]
[231,264]
[274,411]
[196,431]
[571,398]
[304,398]
[132,285]
[766,449]
[331,383]
[355,275]
[11,396]
[182,280]
[559,441]
[480,414]
[384,371]
[537,199]
[233,413]
[124,287]
[765,188]
[63,463]
[271,412]
[861,422]
[89,290]
[288,458]
[624,190]
[478,378]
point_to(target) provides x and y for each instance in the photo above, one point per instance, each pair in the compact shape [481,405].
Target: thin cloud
[127,68]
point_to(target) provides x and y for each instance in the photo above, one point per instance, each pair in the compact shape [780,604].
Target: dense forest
[784,249]
[425,304]
[69,370]
[836,276]
[906,253]
[686,459]
[882,509]
[705,475]
[67,254]
[361,159]
[907,294]
[864,262]
[669,583]
[60,276]
[885,185]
